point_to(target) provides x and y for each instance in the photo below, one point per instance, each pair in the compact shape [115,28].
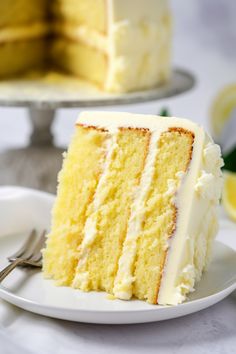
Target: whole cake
[120,45]
[135,213]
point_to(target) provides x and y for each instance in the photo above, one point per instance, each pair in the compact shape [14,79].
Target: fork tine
[27,245]
[37,254]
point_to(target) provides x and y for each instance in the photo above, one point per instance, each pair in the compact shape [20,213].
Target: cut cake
[135,213]
[119,45]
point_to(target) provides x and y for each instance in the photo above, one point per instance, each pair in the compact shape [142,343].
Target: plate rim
[153,308]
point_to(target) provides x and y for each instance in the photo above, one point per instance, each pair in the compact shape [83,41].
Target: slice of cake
[119,45]
[135,213]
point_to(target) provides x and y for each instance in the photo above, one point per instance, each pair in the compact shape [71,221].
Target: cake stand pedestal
[37,165]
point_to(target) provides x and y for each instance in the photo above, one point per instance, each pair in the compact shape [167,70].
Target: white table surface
[205,37]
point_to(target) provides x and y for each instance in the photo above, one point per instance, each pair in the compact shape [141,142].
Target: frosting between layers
[83,34]
[34,30]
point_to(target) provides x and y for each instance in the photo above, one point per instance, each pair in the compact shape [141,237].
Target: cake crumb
[110,297]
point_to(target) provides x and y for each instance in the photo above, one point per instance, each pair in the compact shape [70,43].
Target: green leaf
[164,112]
[230,160]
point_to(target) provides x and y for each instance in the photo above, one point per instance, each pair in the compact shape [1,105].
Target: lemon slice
[229,194]
[222,109]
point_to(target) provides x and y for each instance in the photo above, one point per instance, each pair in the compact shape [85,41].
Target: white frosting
[150,9]
[113,120]
[205,185]
[208,186]
[196,201]
[82,34]
[34,30]
[138,44]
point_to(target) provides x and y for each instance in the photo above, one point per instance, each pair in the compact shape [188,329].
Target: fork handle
[10,268]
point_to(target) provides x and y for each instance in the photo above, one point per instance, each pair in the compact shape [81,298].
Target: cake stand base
[37,165]
[34,167]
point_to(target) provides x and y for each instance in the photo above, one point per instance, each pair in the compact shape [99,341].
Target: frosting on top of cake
[111,120]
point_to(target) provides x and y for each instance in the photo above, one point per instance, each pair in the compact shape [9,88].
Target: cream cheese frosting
[82,34]
[138,44]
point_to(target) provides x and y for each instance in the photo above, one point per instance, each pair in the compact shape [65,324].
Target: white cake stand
[37,165]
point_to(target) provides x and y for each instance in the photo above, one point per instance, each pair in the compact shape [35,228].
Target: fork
[28,255]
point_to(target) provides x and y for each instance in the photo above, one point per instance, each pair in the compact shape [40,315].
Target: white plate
[22,209]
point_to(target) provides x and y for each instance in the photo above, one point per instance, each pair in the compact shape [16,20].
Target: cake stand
[37,165]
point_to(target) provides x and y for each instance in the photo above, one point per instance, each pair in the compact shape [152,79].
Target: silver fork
[28,255]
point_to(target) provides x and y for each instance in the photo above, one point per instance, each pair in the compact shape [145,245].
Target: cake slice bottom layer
[107,221]
[160,212]
[77,184]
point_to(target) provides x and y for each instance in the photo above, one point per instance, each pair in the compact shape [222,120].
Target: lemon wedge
[222,109]
[229,194]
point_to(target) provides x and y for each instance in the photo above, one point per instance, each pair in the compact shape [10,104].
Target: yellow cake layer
[18,12]
[80,60]
[108,215]
[92,13]
[174,154]
[78,180]
[17,57]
